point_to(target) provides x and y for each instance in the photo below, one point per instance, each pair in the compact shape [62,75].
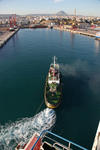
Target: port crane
[12,22]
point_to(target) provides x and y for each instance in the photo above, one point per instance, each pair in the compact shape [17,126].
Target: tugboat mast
[54,61]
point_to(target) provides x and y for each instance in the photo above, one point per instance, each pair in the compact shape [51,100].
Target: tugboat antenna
[54,60]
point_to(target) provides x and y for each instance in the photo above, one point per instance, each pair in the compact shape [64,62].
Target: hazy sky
[83,7]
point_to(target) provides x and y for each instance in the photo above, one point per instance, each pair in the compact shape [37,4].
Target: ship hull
[97,37]
[50,102]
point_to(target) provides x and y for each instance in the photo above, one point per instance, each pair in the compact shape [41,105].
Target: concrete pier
[6,36]
[78,31]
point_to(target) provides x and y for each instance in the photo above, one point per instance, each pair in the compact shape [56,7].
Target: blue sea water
[24,64]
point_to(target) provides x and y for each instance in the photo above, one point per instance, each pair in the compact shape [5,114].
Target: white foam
[12,134]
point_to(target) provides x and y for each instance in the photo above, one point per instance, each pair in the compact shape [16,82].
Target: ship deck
[52,98]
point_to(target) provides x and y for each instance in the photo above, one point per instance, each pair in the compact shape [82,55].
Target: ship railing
[66,144]
[58,145]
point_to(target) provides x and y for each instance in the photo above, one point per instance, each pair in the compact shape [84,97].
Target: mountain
[7,15]
[61,13]
[39,15]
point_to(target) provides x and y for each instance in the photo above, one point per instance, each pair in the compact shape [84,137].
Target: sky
[22,7]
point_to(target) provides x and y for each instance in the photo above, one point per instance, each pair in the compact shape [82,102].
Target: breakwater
[6,36]
[78,31]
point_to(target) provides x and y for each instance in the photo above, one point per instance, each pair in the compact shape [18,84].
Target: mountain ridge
[60,13]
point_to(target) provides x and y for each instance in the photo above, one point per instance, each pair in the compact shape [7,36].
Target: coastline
[78,31]
[6,36]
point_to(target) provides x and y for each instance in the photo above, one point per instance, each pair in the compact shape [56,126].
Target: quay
[4,37]
[78,31]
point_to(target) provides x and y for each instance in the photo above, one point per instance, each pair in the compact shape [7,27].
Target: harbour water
[24,64]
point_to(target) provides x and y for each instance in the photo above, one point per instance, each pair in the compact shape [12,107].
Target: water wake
[12,134]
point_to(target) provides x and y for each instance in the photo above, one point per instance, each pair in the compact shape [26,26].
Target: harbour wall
[78,31]
[6,36]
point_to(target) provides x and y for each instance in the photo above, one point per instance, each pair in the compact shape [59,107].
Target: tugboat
[52,93]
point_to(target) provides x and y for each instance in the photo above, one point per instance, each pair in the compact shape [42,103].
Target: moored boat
[11,29]
[98,35]
[53,93]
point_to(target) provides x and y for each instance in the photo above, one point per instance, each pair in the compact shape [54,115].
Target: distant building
[83,25]
[67,26]
[97,28]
